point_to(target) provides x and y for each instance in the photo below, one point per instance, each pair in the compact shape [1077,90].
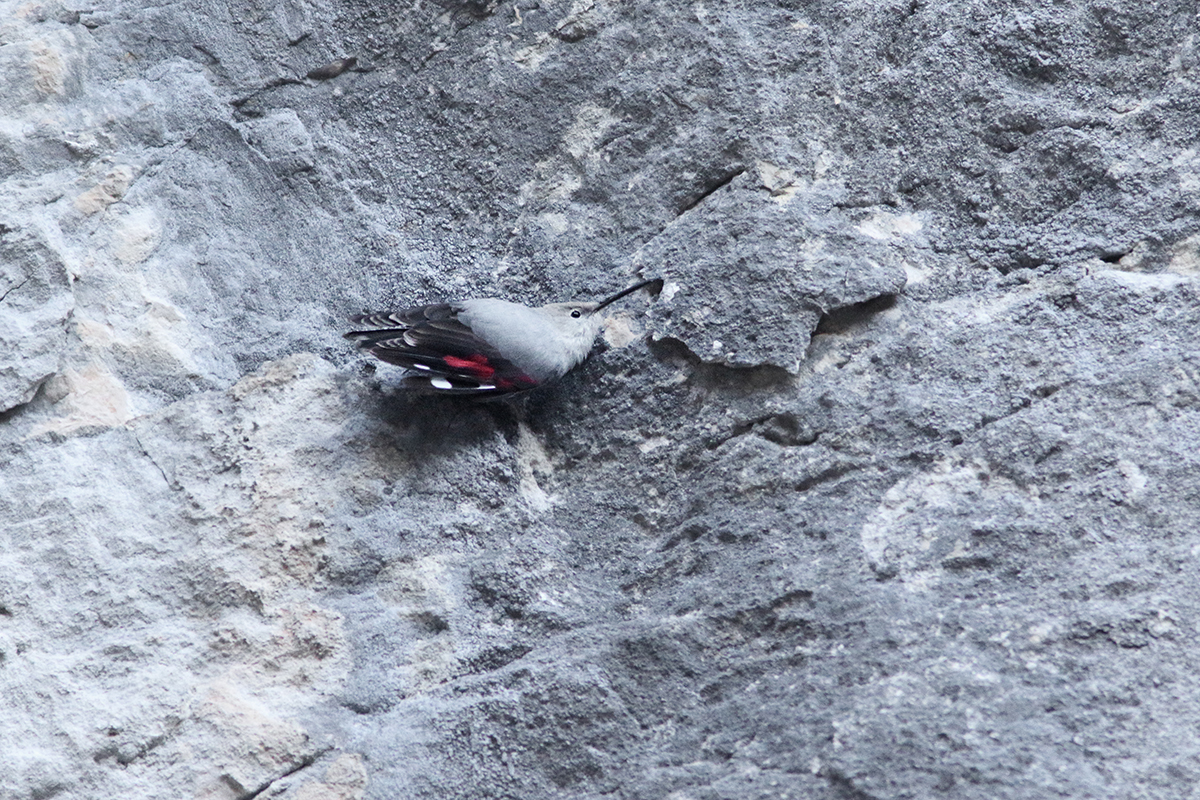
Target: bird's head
[580,322]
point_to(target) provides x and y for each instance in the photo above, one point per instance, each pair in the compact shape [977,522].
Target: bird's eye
[577,313]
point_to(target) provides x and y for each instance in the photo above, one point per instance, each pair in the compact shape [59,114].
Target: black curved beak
[624,292]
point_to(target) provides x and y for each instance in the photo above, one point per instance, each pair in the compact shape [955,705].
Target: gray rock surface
[893,491]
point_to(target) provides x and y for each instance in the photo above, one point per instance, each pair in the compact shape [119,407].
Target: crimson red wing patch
[477,365]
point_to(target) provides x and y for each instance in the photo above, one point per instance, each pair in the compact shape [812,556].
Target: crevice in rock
[12,289]
[783,429]
[842,319]
[274,83]
[14,411]
[1020,260]
[712,187]
[332,69]
[305,762]
[866,201]
[322,73]
[170,484]
[496,658]
[830,473]
[376,707]
[991,419]
[712,376]
[206,52]
[476,10]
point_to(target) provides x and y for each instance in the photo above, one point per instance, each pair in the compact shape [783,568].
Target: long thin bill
[624,292]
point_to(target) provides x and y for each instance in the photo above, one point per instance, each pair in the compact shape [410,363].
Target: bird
[487,347]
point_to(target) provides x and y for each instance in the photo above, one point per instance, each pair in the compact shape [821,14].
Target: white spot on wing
[440,383]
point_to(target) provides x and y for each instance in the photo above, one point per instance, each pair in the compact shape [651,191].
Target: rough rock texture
[893,491]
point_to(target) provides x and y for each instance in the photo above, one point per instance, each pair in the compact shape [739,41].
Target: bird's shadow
[441,424]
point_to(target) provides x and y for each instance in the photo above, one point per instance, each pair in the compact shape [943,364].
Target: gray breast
[525,336]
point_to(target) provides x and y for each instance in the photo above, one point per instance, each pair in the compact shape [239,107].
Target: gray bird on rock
[486,347]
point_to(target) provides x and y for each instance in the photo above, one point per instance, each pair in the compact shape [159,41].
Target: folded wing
[444,354]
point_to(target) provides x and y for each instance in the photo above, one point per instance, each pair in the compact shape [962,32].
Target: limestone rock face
[36,303]
[893,490]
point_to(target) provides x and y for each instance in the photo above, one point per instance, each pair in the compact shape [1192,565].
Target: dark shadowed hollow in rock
[893,491]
